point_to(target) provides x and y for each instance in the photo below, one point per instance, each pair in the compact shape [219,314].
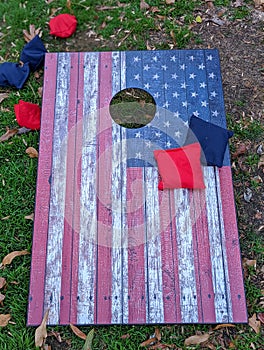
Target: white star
[164,67]
[196,114]
[204,103]
[155,58]
[183,85]
[136,76]
[165,86]
[156,94]
[194,94]
[175,94]
[173,58]
[136,59]
[192,76]
[215,113]
[211,75]
[182,66]
[166,105]
[148,143]
[146,86]
[166,124]
[168,143]
[184,104]
[178,134]
[174,76]
[209,58]
[156,76]
[176,114]
[186,123]
[158,134]
[191,58]
[138,155]
[146,67]
[201,66]
[202,85]
[213,94]
[138,134]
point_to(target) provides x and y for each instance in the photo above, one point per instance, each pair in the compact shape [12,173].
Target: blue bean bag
[13,74]
[33,53]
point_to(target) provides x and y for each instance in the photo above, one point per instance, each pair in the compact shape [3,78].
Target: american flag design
[108,246]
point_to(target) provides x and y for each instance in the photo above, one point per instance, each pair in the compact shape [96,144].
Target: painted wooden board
[108,246]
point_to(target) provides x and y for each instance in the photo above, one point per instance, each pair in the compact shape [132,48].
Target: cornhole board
[108,246]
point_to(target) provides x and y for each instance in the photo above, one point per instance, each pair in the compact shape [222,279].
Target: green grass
[18,171]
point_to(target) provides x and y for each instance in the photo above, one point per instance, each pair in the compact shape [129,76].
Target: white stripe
[118,181]
[215,241]
[153,268]
[57,196]
[221,217]
[88,195]
[187,281]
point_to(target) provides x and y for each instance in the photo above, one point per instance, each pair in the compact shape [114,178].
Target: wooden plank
[39,245]
[86,306]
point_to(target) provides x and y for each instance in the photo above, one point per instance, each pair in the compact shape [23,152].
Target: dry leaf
[23,130]
[6,217]
[143,5]
[241,149]
[196,339]
[41,331]
[78,332]
[3,96]
[148,342]
[2,282]
[125,336]
[261,317]
[158,334]
[68,4]
[28,36]
[30,217]
[9,133]
[224,325]
[9,257]
[254,323]
[258,2]
[4,319]
[170,2]
[32,152]
[89,340]
[248,262]
[2,297]
[261,161]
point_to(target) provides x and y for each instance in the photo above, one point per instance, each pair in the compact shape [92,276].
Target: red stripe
[167,258]
[175,257]
[202,259]
[76,217]
[39,246]
[69,195]
[239,308]
[136,237]
[104,258]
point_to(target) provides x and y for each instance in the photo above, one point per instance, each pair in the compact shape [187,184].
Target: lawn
[123,25]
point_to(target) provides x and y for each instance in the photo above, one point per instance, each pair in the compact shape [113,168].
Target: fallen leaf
[40,91]
[89,340]
[32,152]
[28,36]
[3,96]
[41,331]
[248,194]
[258,2]
[154,9]
[224,325]
[9,257]
[148,342]
[6,217]
[261,161]
[170,2]
[261,317]
[68,4]
[241,149]
[248,262]
[78,332]
[158,334]
[2,282]
[196,339]
[4,319]
[125,336]
[2,297]
[254,323]
[143,5]
[9,133]
[198,19]
[23,130]
[30,217]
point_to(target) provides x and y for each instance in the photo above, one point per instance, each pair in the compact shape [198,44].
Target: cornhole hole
[109,247]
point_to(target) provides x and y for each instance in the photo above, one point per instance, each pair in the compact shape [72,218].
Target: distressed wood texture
[108,246]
